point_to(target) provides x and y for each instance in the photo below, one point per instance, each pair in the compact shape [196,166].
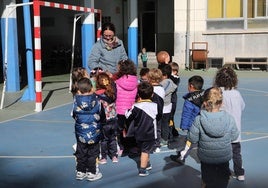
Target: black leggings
[215,175]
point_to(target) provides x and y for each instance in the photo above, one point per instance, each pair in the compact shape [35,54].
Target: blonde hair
[212,98]
[155,75]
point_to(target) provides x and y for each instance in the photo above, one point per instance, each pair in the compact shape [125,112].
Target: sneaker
[80,175]
[120,152]
[143,172]
[115,159]
[177,159]
[103,161]
[74,147]
[163,143]
[93,177]
[149,166]
[157,150]
[240,178]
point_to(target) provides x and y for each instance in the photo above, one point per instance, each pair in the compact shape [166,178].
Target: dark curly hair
[126,67]
[226,77]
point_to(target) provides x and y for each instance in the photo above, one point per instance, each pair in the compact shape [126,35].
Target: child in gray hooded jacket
[214,131]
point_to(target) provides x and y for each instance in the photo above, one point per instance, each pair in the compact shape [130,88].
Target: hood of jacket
[214,124]
[127,82]
[195,97]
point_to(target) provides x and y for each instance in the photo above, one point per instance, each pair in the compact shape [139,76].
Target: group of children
[110,103]
[121,112]
[211,120]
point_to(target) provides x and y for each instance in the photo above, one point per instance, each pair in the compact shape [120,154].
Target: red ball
[162,56]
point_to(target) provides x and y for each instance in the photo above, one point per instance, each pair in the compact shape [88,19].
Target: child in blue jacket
[88,113]
[191,108]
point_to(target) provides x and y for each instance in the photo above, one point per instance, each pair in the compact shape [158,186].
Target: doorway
[148,31]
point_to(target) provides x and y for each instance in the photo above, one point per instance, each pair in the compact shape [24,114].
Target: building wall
[224,43]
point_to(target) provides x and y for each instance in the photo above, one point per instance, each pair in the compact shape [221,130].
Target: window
[257,8]
[225,8]
[261,8]
[229,14]
[234,8]
[215,8]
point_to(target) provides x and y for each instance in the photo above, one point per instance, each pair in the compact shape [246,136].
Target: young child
[233,103]
[214,130]
[154,78]
[107,94]
[176,80]
[77,74]
[144,74]
[144,57]
[93,74]
[88,115]
[143,117]
[126,88]
[169,88]
[191,108]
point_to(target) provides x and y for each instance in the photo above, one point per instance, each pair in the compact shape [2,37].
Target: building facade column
[10,47]
[133,31]
[88,34]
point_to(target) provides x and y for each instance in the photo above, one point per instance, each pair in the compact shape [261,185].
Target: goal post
[37,41]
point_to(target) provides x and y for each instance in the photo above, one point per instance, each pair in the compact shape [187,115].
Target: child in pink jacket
[126,86]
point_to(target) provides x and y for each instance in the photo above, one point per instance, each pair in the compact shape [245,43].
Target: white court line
[71,156]
[32,113]
[46,121]
[253,90]
[253,139]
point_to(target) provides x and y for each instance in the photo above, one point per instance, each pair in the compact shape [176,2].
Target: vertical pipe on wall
[187,35]
[245,14]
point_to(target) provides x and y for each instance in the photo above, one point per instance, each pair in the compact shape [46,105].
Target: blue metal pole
[88,38]
[133,32]
[29,93]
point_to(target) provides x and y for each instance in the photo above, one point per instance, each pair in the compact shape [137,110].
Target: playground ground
[36,147]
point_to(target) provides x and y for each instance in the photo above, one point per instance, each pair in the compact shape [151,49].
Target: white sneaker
[80,175]
[74,147]
[93,177]
[240,178]
[103,161]
[157,150]
[115,159]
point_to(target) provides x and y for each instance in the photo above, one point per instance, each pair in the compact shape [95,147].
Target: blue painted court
[36,149]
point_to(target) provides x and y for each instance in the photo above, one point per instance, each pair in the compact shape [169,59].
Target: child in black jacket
[142,116]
